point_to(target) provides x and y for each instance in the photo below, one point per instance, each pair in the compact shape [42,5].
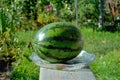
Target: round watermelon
[58,42]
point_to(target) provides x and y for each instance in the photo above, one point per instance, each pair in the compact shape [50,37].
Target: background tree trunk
[101,16]
[76,11]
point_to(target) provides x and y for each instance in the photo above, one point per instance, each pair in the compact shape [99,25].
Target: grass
[107,67]
[26,70]
[100,42]
[105,45]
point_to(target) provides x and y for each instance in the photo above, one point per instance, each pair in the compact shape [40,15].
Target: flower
[48,7]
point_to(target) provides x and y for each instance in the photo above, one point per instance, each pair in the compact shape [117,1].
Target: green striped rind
[60,29]
[58,42]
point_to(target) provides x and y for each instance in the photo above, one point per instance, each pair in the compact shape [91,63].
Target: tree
[30,9]
[60,4]
[88,9]
[101,16]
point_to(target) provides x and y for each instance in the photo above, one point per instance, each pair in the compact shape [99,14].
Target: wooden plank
[82,74]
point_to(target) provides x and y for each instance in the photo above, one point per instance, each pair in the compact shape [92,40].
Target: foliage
[12,48]
[30,8]
[44,19]
[61,8]
[21,71]
[68,12]
[16,16]
[9,49]
[12,14]
[64,9]
[59,4]
[12,17]
[3,21]
[27,25]
[25,72]
[88,9]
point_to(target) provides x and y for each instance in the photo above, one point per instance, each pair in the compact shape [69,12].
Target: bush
[9,50]
[44,19]
[26,70]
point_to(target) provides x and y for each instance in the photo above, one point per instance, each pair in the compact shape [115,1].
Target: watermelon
[58,42]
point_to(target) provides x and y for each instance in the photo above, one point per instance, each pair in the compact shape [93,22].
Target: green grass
[100,42]
[26,70]
[107,67]
[105,45]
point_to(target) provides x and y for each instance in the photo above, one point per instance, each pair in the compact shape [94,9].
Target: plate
[80,62]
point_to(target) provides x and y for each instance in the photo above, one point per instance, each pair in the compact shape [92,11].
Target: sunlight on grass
[105,45]
[100,42]
[107,67]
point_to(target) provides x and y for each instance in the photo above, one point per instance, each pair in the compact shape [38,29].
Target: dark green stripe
[48,55]
[60,38]
[65,49]
[52,26]
[62,26]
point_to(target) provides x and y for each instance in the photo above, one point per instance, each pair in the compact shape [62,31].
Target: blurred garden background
[98,20]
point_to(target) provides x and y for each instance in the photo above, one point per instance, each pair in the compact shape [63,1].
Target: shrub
[9,52]
[26,70]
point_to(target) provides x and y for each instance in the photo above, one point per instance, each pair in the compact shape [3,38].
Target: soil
[4,75]
[5,69]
